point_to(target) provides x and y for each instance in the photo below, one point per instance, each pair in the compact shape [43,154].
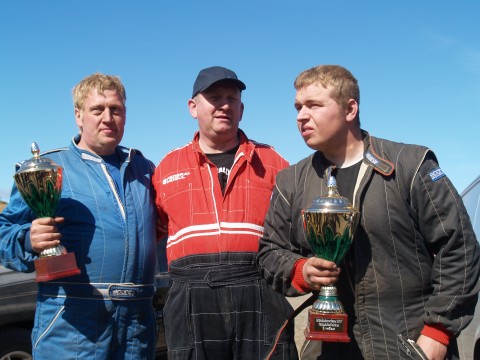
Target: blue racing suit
[106,311]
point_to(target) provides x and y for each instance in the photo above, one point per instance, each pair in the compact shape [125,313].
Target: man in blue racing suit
[106,217]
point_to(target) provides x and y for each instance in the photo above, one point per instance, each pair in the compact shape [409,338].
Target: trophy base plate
[55,267]
[327,327]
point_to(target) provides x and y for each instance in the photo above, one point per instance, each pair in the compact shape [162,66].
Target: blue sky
[417,62]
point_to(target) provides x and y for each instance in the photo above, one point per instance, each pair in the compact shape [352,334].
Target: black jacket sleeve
[279,247]
[448,233]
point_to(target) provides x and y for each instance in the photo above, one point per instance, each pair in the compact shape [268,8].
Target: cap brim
[241,86]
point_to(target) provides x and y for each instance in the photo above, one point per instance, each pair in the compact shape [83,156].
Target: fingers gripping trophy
[39,181]
[328,227]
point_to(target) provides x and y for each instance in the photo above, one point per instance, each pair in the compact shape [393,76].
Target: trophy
[328,227]
[39,181]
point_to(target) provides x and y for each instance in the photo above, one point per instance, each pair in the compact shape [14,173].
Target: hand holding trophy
[328,226]
[39,181]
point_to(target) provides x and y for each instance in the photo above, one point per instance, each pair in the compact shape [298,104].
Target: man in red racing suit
[212,196]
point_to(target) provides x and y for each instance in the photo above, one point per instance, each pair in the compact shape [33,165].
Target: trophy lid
[36,163]
[333,203]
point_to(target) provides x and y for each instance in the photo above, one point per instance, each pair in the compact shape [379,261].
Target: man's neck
[209,147]
[350,154]
[353,158]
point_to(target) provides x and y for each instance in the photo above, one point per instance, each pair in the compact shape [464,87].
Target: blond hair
[99,82]
[342,84]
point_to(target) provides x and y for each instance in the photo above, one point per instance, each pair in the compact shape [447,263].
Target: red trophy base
[327,327]
[54,267]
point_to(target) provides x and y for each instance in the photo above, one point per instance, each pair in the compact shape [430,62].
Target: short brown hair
[343,84]
[99,82]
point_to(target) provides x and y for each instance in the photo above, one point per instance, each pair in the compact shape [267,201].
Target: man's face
[218,110]
[321,120]
[101,121]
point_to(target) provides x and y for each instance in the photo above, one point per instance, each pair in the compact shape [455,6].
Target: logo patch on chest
[175,177]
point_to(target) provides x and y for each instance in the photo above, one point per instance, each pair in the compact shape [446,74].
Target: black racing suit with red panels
[415,255]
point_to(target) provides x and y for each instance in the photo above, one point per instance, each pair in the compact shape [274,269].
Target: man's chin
[312,145]
[108,147]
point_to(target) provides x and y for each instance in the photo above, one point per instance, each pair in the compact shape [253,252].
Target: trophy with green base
[328,226]
[39,181]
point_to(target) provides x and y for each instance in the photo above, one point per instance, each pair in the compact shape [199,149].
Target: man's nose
[224,104]
[108,115]
[302,114]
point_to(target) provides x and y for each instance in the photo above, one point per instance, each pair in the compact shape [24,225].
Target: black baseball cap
[207,77]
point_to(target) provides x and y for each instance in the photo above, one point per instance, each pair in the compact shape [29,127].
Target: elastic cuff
[437,332]
[27,243]
[298,282]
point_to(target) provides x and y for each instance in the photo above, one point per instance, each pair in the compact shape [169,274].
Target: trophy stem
[55,251]
[327,302]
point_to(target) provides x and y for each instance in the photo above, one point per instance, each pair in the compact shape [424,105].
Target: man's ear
[78,118]
[192,107]
[241,112]
[351,110]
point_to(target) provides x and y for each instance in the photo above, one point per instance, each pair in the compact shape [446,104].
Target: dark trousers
[225,313]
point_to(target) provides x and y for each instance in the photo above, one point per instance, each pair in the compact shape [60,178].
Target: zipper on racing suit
[114,189]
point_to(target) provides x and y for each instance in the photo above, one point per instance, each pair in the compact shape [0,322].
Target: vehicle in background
[469,339]
[18,292]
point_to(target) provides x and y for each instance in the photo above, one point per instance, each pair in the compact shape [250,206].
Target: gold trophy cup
[328,228]
[39,181]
